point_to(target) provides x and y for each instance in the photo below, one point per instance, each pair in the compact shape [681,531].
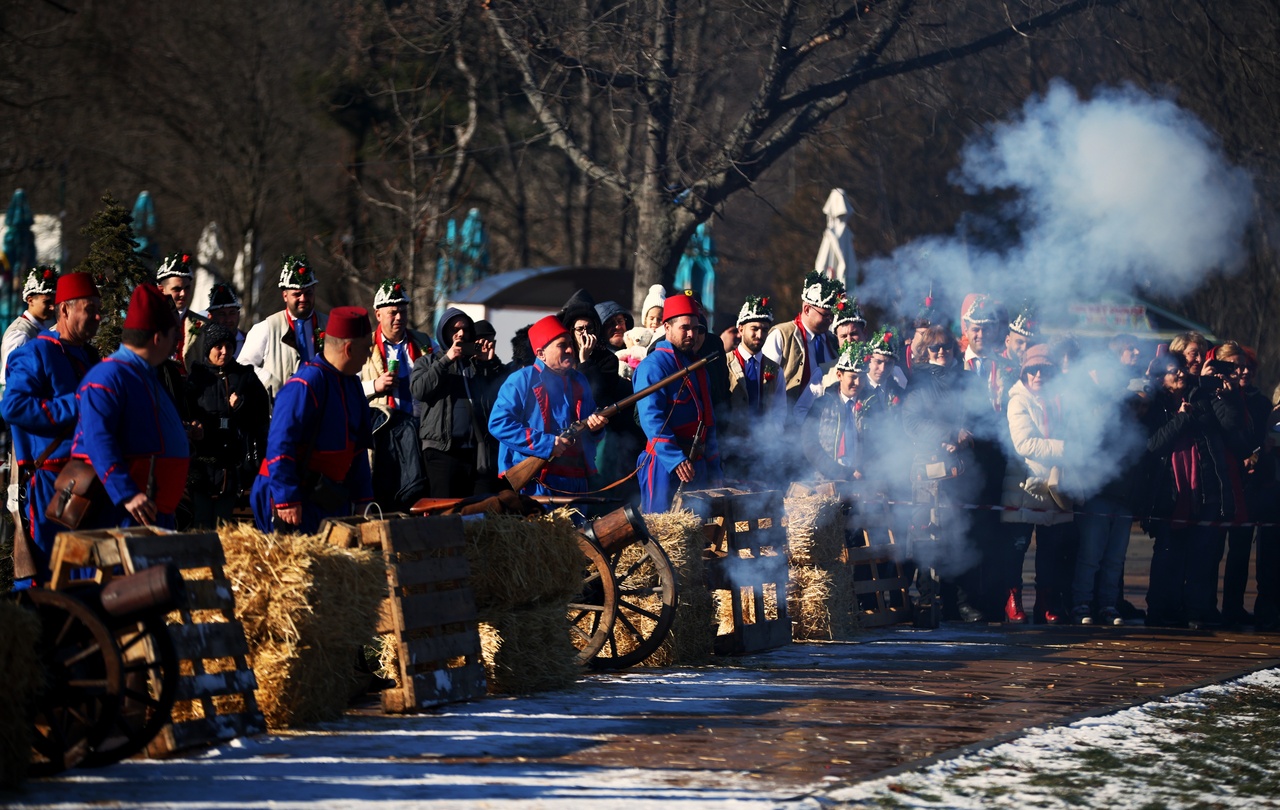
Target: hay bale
[518,561]
[308,608]
[815,529]
[821,602]
[693,634]
[23,677]
[529,650]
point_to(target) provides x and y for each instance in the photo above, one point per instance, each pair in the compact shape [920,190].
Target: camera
[471,350]
[1223,368]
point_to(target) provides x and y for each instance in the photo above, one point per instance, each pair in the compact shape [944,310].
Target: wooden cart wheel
[150,668]
[594,609]
[646,604]
[83,681]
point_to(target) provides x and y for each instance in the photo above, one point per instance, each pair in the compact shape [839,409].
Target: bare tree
[417,113]
[719,91]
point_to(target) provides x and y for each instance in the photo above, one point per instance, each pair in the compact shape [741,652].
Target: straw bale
[815,529]
[308,608]
[529,650]
[821,602]
[21,673]
[692,634]
[518,561]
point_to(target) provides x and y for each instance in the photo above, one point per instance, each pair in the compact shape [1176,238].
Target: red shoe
[1013,612]
[1050,617]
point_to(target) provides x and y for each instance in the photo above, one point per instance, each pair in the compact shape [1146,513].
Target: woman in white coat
[1036,428]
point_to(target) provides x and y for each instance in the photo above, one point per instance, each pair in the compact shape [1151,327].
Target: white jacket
[1032,423]
[270,347]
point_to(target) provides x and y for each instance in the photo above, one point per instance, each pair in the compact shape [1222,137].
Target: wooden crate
[430,608]
[748,559]
[208,639]
[880,583]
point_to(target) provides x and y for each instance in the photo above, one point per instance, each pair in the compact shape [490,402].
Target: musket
[440,506]
[695,450]
[521,474]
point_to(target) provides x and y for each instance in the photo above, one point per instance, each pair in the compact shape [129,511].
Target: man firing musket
[678,419]
[535,406]
[538,417]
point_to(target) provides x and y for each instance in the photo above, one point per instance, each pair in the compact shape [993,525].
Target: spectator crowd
[976,443]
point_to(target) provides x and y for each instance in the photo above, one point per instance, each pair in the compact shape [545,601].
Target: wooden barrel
[617,530]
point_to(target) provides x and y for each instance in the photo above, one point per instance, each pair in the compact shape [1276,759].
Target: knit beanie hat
[656,298]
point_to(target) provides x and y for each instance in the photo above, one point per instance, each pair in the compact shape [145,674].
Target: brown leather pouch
[77,493]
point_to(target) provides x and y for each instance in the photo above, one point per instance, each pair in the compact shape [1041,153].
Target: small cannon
[111,672]
[628,599]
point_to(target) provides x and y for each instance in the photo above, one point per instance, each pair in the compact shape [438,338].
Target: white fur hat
[656,298]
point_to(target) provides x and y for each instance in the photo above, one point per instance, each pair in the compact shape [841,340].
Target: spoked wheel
[646,604]
[150,669]
[593,610]
[84,679]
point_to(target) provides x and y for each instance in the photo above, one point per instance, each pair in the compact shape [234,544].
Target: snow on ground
[494,753]
[1148,756]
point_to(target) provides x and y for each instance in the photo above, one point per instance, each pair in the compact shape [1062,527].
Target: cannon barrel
[157,589]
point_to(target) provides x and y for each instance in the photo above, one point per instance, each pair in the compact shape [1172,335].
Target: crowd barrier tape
[1180,524]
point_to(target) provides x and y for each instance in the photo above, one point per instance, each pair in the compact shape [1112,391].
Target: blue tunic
[40,406]
[670,418]
[130,431]
[320,427]
[534,405]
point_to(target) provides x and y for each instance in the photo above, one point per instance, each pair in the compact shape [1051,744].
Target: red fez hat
[545,331]
[150,310]
[348,323]
[75,285]
[677,305]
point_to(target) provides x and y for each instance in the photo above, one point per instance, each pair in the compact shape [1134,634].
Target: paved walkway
[850,711]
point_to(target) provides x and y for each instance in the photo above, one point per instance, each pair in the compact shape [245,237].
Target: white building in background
[515,299]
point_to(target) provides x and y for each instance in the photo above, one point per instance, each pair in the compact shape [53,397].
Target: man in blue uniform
[129,428]
[317,461]
[40,406]
[678,420]
[536,403]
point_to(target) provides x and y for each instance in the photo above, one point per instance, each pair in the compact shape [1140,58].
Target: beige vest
[274,360]
[794,356]
[737,376]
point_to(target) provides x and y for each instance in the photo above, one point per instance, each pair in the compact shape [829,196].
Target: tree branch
[556,128]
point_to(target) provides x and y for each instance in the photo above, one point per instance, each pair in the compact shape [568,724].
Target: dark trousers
[207,511]
[1184,571]
[1055,568]
[1235,575]
[451,473]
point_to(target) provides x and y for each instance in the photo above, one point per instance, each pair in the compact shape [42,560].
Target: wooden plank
[208,640]
[200,550]
[884,618]
[871,554]
[430,609]
[208,594]
[232,682]
[423,534]
[441,686]
[386,618]
[211,729]
[873,585]
[425,572]
[419,652]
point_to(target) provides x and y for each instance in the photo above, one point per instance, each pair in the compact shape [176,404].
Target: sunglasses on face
[1036,371]
[1171,372]
[938,348]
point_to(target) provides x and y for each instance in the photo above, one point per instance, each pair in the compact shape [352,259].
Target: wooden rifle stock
[522,473]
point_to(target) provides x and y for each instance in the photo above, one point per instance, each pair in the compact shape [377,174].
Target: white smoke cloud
[1121,192]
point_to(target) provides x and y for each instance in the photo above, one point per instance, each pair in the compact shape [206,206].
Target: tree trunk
[662,231]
